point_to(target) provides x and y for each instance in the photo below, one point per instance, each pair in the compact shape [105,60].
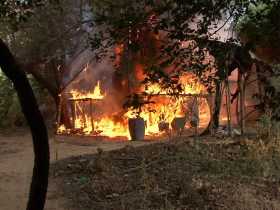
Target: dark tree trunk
[228,106]
[241,102]
[47,75]
[215,111]
[46,83]
[64,115]
[39,184]
[209,128]
[217,106]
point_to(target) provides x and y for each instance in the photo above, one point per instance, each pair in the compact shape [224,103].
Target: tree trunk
[217,106]
[241,114]
[50,82]
[45,83]
[228,105]
[39,184]
[209,129]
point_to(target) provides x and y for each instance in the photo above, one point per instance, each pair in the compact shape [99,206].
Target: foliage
[186,34]
[31,112]
[272,93]
[56,26]
[260,25]
[10,110]
[175,23]
[260,30]
[275,79]
[17,11]
[265,126]
[6,98]
[46,37]
[269,122]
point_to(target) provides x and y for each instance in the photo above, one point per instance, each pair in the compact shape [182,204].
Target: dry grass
[186,174]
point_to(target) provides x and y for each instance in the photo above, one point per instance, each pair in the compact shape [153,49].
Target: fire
[61,129]
[105,127]
[111,129]
[189,83]
[95,94]
[168,108]
[164,110]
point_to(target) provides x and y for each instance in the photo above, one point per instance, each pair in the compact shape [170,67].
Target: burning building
[93,102]
[94,94]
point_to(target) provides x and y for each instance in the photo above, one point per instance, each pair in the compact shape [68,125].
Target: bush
[8,101]
[10,110]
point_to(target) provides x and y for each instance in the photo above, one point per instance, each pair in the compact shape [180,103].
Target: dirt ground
[194,174]
[205,162]
[16,162]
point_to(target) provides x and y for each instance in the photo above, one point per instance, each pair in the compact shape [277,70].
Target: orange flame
[164,110]
[95,94]
[189,83]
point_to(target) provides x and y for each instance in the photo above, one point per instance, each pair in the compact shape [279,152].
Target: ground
[16,162]
[180,174]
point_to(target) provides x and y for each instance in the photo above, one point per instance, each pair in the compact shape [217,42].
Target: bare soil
[16,162]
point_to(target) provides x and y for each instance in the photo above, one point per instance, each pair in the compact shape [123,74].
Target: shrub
[10,110]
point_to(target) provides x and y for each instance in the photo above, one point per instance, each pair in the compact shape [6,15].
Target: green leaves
[9,105]
[10,110]
[176,22]
[261,25]
[17,11]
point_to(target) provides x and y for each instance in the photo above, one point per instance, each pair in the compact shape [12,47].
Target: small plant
[268,127]
[83,180]
[264,124]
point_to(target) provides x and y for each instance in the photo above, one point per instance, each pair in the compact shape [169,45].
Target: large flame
[164,109]
[105,127]
[95,94]
[189,84]
[167,107]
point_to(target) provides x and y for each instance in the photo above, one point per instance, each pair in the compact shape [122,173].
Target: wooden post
[241,114]
[209,100]
[84,113]
[243,102]
[217,106]
[91,116]
[73,111]
[196,114]
[58,117]
[228,104]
